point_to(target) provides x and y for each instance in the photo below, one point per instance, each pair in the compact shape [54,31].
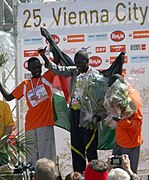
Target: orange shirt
[129,131]
[40,110]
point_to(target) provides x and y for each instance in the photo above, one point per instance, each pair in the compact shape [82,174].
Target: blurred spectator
[118,174]
[73,176]
[6,120]
[100,170]
[68,177]
[96,169]
[125,165]
[6,126]
[45,169]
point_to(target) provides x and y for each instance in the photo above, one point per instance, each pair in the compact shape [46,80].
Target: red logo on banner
[95,61]
[29,53]
[75,38]
[143,46]
[117,48]
[69,51]
[100,49]
[137,71]
[112,59]
[141,34]
[117,36]
[56,38]
[135,47]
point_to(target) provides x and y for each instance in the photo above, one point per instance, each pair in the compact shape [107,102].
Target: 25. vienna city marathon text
[63,16]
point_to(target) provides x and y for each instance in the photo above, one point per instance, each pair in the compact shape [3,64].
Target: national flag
[61,98]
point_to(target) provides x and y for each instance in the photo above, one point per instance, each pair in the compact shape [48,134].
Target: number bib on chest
[41,95]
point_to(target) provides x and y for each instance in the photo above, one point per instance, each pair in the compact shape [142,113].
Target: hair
[32,59]
[81,55]
[68,177]
[96,169]
[118,174]
[99,166]
[73,176]
[76,176]
[44,169]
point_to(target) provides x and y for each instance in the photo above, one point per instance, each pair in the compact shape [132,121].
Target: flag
[60,105]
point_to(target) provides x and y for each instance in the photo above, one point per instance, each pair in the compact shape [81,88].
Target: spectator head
[81,61]
[45,169]
[76,175]
[68,177]
[96,169]
[118,174]
[73,176]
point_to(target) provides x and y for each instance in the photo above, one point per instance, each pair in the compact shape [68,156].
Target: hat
[92,173]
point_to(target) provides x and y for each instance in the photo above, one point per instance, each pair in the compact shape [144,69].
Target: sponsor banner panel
[103,46]
[103,31]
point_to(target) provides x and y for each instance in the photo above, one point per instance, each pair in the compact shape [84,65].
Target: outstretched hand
[42,51]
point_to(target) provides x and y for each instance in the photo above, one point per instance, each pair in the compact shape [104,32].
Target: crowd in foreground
[116,168]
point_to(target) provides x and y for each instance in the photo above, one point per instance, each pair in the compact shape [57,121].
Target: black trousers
[133,154]
[80,137]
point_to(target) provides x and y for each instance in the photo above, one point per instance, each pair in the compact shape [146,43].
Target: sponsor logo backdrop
[104,29]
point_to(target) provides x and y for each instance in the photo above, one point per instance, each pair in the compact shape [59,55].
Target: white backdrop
[103,28]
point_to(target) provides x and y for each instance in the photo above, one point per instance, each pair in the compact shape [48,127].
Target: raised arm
[66,60]
[65,71]
[7,96]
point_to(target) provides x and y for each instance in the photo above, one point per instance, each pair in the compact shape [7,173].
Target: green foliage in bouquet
[3,59]
[90,91]
[118,102]
[13,149]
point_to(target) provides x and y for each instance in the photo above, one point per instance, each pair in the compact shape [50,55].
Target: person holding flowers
[124,104]
[83,141]
[86,112]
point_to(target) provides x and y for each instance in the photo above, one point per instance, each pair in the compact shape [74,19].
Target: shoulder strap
[45,81]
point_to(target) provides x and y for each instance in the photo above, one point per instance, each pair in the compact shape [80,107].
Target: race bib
[41,95]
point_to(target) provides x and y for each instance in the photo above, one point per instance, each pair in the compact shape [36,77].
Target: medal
[34,97]
[34,90]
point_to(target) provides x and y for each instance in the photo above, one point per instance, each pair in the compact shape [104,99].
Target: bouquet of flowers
[89,98]
[118,101]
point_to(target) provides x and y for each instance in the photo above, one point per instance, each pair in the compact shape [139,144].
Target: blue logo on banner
[32,41]
[96,37]
[139,59]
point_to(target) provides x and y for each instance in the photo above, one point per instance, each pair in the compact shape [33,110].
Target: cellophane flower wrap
[89,97]
[118,101]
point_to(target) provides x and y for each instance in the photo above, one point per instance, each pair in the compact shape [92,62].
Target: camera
[116,160]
